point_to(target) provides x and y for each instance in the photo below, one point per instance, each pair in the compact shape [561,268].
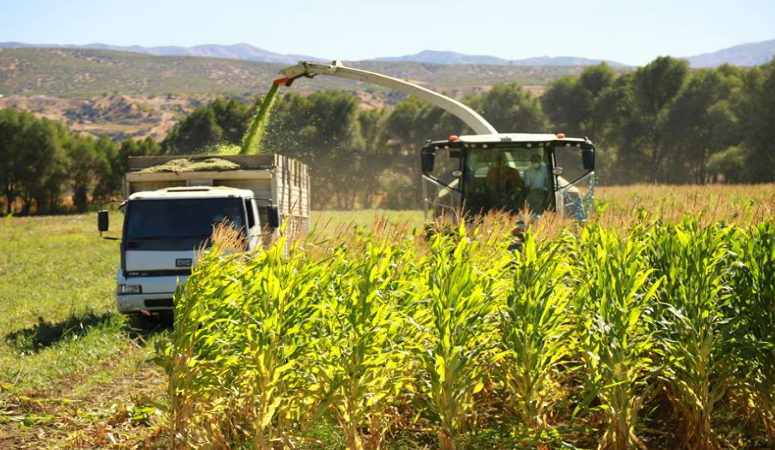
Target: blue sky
[628,31]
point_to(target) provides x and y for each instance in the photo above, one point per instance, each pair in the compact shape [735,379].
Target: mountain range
[441,57]
[741,55]
[237,51]
[752,54]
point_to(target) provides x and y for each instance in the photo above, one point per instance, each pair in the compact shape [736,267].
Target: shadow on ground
[144,326]
[47,333]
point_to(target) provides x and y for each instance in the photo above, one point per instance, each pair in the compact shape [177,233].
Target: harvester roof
[514,137]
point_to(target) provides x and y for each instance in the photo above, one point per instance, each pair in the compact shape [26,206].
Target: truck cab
[510,172]
[170,214]
[164,231]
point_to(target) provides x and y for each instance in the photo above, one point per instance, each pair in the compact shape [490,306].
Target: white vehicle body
[169,215]
[152,270]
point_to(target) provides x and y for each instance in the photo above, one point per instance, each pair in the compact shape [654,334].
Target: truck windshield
[509,179]
[181,219]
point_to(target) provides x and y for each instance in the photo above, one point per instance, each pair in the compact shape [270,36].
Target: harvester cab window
[442,194]
[575,185]
[507,178]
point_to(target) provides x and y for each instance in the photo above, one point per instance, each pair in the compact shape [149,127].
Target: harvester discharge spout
[310,69]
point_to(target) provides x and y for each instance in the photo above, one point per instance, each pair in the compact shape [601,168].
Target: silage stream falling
[251,141]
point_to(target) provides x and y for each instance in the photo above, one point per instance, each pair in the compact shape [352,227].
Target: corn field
[594,336]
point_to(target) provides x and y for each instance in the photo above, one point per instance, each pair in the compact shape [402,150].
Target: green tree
[9,177]
[584,106]
[757,113]
[511,109]
[322,131]
[656,86]
[32,156]
[372,162]
[87,160]
[700,123]
[612,114]
[232,117]
[108,181]
[567,105]
[407,127]
[730,164]
[570,102]
[194,134]
[220,121]
[110,173]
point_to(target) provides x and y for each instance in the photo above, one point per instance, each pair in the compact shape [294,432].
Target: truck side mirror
[428,158]
[588,158]
[273,216]
[102,221]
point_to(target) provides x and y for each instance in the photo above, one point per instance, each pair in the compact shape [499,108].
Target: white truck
[169,214]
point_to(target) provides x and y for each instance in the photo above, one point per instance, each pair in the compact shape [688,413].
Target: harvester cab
[488,171]
[512,172]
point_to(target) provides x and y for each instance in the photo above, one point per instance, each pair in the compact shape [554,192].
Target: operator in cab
[537,184]
[493,183]
[505,185]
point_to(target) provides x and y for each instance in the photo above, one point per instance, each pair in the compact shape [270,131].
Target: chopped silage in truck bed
[192,165]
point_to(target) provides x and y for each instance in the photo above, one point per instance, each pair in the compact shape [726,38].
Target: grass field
[76,374]
[72,370]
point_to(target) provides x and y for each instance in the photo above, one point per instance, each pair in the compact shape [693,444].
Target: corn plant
[696,336]
[535,327]
[238,340]
[376,331]
[461,300]
[199,367]
[360,368]
[754,294]
[276,315]
[614,336]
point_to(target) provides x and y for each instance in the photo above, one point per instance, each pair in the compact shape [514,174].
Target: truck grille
[159,303]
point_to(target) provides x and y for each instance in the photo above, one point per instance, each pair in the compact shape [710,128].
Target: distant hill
[752,54]
[741,55]
[437,57]
[81,72]
[236,51]
[443,57]
[251,53]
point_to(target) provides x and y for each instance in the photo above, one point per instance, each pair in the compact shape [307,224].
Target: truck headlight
[130,289]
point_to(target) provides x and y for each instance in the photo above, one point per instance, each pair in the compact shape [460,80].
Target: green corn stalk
[461,295]
[754,301]
[276,316]
[535,327]
[614,336]
[234,360]
[198,366]
[360,364]
[696,336]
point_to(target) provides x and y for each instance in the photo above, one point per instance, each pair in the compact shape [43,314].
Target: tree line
[41,161]
[661,123]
